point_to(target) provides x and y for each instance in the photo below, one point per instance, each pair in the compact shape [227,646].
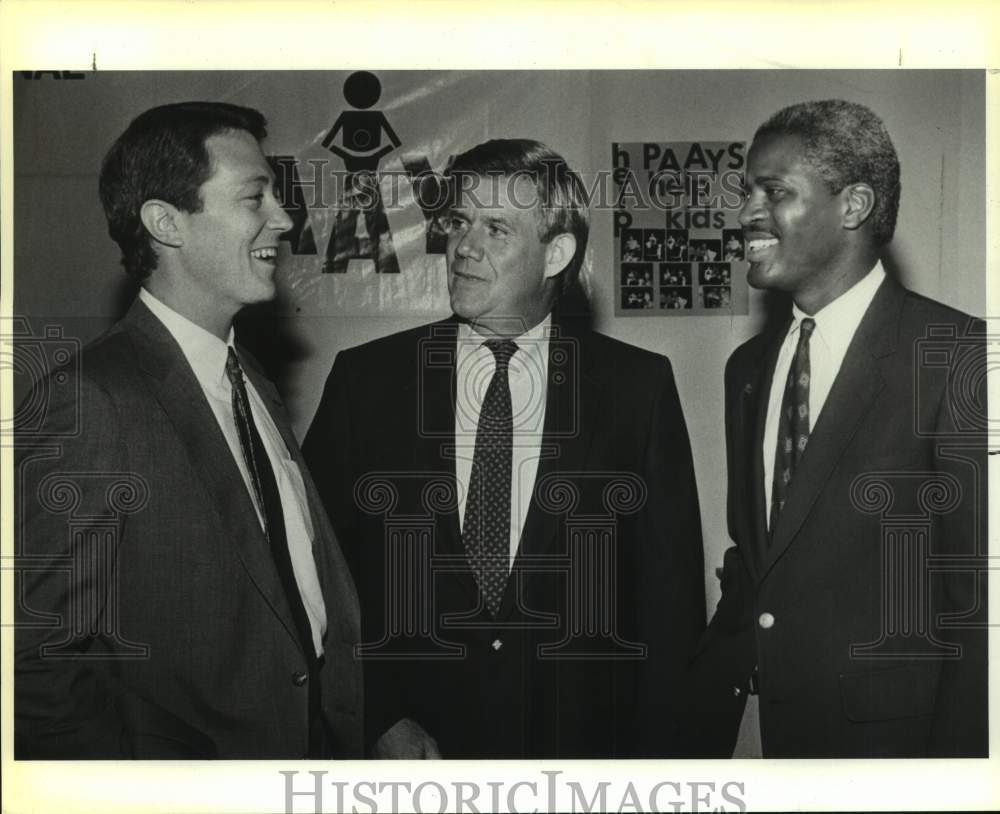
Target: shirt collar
[533,343]
[837,321]
[205,352]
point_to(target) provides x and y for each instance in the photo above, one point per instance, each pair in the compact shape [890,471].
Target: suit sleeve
[725,654]
[734,610]
[327,450]
[64,706]
[333,450]
[672,581]
[960,713]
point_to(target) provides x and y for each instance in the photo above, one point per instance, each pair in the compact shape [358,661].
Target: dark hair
[847,144]
[162,155]
[561,194]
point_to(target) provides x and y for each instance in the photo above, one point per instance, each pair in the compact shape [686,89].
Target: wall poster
[677,237]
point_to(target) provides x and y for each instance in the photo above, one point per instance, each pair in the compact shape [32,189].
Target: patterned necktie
[265,488]
[486,532]
[793,424]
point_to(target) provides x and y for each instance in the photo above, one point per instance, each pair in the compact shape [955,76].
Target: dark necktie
[793,424]
[268,499]
[486,533]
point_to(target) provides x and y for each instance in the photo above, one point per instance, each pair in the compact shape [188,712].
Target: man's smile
[758,245]
[265,254]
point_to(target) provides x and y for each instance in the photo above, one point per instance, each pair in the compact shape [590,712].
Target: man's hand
[406,740]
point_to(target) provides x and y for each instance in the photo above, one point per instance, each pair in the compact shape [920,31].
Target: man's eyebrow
[256,179]
[499,220]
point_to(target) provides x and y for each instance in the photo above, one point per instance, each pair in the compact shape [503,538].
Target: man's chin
[266,291]
[761,275]
[464,310]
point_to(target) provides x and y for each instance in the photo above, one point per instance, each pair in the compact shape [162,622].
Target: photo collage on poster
[678,242]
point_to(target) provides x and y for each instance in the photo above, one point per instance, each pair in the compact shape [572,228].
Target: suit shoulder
[84,383]
[393,348]
[920,311]
[752,349]
[752,346]
[624,358]
[103,361]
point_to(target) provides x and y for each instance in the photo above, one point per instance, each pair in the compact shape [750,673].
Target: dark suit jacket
[152,622]
[870,578]
[614,495]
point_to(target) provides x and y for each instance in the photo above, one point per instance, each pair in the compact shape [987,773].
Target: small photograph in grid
[714,274]
[675,298]
[716,297]
[637,298]
[652,245]
[632,245]
[676,245]
[637,274]
[675,274]
[705,251]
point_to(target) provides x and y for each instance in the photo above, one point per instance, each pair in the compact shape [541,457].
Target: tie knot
[503,350]
[806,326]
[233,369]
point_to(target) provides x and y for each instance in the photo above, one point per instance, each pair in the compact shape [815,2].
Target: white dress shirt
[528,377]
[206,354]
[836,324]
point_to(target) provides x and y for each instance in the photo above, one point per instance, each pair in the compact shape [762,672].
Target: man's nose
[279,220]
[751,211]
[469,247]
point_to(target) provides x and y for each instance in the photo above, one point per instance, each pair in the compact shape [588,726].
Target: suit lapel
[751,417]
[575,394]
[431,391]
[179,394]
[851,398]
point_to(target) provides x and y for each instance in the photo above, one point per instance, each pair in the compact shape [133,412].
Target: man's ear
[161,220]
[558,253]
[860,203]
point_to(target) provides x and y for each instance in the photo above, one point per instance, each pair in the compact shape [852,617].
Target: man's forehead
[235,156]
[494,194]
[776,148]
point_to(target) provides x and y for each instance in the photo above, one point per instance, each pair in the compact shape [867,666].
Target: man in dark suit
[518,491]
[853,606]
[181,592]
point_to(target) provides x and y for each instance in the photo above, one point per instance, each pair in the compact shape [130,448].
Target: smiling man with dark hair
[182,594]
[853,476]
